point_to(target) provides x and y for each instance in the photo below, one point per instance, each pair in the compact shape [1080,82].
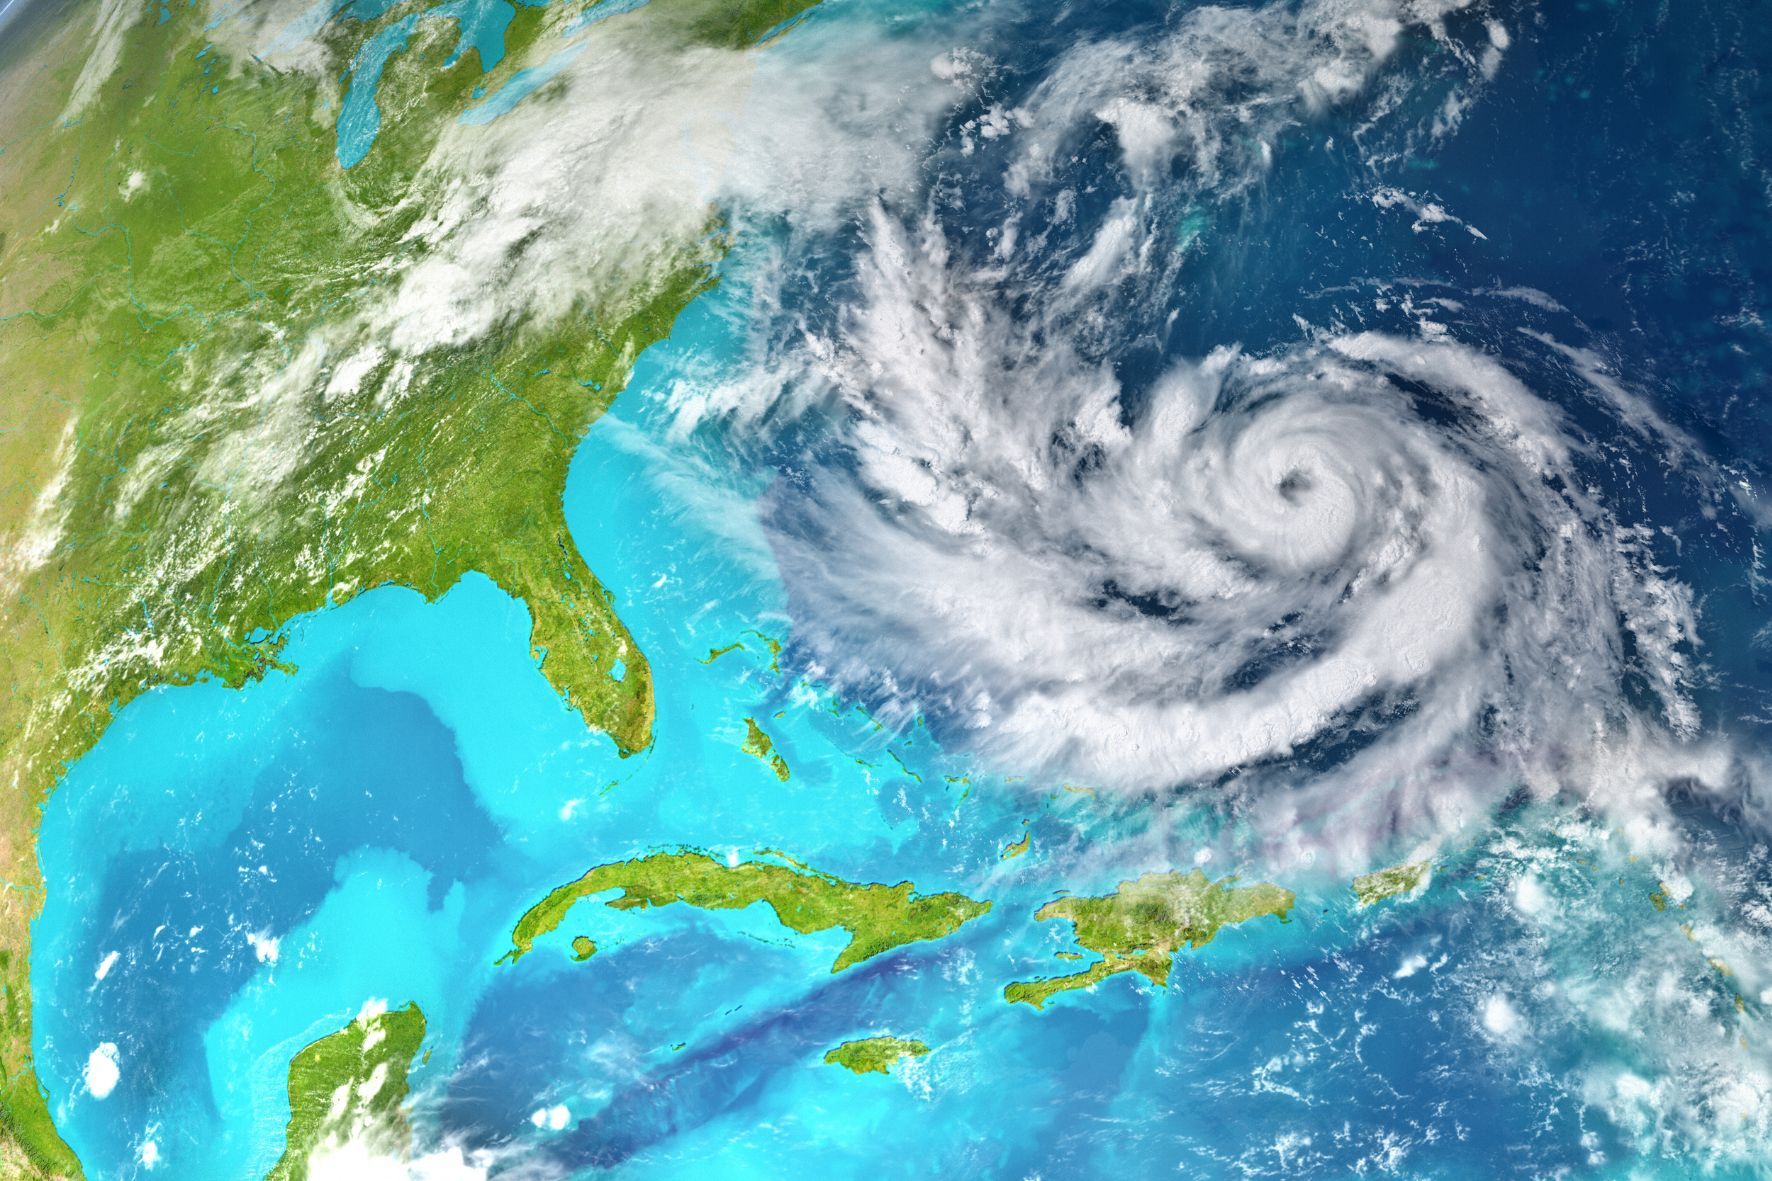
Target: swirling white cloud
[1362,560]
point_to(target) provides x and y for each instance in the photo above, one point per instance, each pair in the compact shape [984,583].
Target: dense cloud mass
[1363,560]
[1364,540]
[1297,557]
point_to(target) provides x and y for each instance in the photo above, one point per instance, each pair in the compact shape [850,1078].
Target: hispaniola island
[885,589]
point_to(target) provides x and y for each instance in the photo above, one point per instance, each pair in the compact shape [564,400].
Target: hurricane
[1373,566]
[890,588]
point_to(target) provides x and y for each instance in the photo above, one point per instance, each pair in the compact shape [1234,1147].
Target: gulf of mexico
[231,874]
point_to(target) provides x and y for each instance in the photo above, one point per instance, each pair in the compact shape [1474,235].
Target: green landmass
[773,647]
[878,917]
[1388,883]
[780,856]
[583,948]
[770,645]
[1143,923]
[1017,848]
[31,1146]
[351,1084]
[205,430]
[874,1055]
[763,747]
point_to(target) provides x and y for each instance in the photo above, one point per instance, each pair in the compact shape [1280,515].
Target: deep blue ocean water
[231,874]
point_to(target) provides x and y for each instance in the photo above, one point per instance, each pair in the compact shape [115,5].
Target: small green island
[1388,883]
[760,745]
[874,1055]
[348,1084]
[1017,848]
[1143,923]
[878,917]
[769,642]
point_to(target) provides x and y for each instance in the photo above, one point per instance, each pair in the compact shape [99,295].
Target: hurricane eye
[1295,485]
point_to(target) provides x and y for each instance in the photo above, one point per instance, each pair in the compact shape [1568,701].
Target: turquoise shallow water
[388,811]
[232,874]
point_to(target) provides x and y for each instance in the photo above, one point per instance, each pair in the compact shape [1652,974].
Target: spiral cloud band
[1365,547]
[1368,558]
